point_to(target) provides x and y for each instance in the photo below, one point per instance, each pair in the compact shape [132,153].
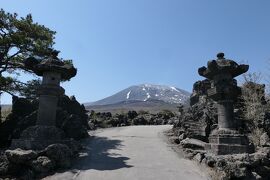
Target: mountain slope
[146,92]
[146,97]
[152,106]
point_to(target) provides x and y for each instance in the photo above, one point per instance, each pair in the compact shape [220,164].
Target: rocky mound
[201,118]
[71,118]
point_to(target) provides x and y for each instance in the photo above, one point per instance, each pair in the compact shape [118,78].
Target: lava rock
[198,157]
[263,171]
[42,164]
[74,146]
[256,176]
[24,123]
[4,165]
[174,139]
[189,153]
[139,120]
[239,172]
[43,133]
[182,137]
[192,143]
[132,114]
[72,106]
[60,153]
[19,156]
[73,128]
[92,126]
[210,161]
[265,140]
[22,107]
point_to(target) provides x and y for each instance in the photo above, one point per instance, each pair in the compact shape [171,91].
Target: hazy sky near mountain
[118,43]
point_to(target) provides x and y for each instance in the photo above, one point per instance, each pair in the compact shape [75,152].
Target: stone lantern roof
[222,66]
[51,64]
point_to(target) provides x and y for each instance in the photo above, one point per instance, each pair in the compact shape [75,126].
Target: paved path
[131,153]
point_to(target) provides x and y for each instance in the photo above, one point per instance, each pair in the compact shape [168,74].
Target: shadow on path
[96,155]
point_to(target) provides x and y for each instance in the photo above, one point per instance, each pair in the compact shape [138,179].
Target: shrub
[254,106]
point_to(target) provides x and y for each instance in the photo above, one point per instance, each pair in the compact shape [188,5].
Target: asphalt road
[131,153]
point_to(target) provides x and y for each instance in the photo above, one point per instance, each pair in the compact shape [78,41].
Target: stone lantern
[45,132]
[224,91]
[53,71]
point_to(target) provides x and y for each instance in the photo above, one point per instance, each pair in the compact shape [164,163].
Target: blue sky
[119,43]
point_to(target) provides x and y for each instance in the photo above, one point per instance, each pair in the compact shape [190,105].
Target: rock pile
[236,166]
[72,118]
[228,167]
[29,164]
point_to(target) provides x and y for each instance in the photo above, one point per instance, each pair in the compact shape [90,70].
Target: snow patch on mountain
[128,94]
[173,88]
[148,97]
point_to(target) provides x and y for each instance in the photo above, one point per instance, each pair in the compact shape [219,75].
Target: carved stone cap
[222,66]
[52,64]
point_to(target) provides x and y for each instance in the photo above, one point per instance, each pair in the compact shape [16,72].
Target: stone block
[224,149]
[228,139]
